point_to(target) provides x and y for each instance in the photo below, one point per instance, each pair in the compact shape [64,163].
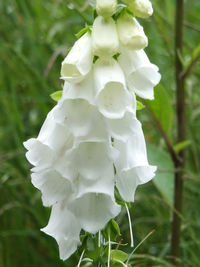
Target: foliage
[35,36]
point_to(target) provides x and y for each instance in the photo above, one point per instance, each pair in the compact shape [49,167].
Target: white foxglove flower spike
[105,41]
[93,131]
[131,33]
[78,62]
[106,8]
[141,75]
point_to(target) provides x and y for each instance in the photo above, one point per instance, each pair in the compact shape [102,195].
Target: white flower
[93,203]
[131,33]
[132,165]
[78,62]
[82,90]
[141,75]
[121,129]
[65,228]
[140,8]
[53,185]
[112,97]
[105,41]
[87,158]
[106,8]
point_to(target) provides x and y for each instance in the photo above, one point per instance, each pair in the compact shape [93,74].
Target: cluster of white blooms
[91,141]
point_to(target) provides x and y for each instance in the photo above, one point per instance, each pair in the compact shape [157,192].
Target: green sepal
[121,9]
[56,96]
[93,251]
[139,105]
[83,31]
[111,230]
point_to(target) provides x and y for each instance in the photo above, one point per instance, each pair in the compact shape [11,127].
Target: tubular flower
[130,32]
[140,8]
[91,141]
[105,42]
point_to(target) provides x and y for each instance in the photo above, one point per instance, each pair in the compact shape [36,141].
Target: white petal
[131,33]
[133,151]
[106,8]
[94,211]
[93,158]
[78,114]
[128,180]
[53,186]
[65,228]
[141,75]
[38,154]
[105,41]
[83,90]
[78,62]
[112,96]
[121,129]
[103,184]
[53,134]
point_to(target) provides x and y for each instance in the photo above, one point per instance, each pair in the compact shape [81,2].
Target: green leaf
[118,255]
[196,52]
[140,106]
[56,96]
[162,108]
[164,179]
[180,146]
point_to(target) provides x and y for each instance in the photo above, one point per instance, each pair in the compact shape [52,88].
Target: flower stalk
[181,133]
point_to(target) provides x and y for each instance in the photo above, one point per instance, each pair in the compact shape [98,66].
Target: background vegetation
[34,38]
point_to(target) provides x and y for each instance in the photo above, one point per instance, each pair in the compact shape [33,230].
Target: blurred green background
[34,38]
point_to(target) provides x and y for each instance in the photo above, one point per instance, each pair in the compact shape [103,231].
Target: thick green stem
[181,132]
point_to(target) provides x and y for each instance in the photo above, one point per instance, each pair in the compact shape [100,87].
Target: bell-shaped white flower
[82,90]
[53,186]
[94,204]
[65,228]
[87,158]
[131,33]
[78,62]
[105,41]
[121,129]
[128,180]
[141,75]
[53,136]
[140,8]
[106,8]
[112,97]
[132,164]
[39,155]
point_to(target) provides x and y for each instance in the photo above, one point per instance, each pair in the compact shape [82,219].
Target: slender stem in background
[181,132]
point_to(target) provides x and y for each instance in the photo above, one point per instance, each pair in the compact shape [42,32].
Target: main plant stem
[181,132]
